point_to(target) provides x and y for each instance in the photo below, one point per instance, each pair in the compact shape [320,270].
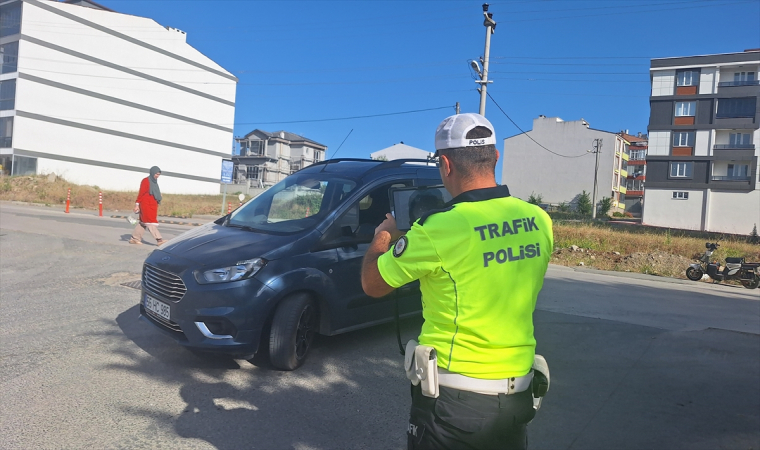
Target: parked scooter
[748,273]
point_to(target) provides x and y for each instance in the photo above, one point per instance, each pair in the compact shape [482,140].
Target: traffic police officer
[481,261]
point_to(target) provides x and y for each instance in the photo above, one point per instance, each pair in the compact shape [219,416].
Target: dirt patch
[658,263]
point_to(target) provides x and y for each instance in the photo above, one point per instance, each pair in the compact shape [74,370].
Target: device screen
[409,204]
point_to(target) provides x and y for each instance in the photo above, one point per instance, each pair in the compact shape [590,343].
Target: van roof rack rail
[381,164]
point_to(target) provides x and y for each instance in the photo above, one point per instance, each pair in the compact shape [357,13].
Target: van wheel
[753,284]
[694,274]
[293,328]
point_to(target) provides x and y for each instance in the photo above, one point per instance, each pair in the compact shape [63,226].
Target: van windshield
[298,202]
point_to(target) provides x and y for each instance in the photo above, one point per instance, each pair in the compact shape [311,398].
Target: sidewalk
[196,220]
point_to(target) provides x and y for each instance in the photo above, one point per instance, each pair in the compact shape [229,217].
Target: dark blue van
[284,266]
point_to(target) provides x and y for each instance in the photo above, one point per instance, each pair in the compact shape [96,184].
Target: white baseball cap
[452,132]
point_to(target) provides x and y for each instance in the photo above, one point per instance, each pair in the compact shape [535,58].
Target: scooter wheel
[751,284]
[694,274]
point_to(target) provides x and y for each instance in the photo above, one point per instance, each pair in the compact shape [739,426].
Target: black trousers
[466,420]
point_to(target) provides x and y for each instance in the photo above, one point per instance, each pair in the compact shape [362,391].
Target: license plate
[157,307]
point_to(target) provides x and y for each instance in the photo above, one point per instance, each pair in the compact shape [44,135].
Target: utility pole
[490,25]
[597,150]
[457,107]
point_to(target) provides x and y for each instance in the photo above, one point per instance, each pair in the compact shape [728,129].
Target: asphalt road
[636,361]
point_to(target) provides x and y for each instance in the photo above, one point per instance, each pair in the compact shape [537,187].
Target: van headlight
[239,271]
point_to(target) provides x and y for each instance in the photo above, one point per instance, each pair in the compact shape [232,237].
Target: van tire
[293,328]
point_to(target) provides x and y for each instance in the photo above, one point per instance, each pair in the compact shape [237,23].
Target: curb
[171,222]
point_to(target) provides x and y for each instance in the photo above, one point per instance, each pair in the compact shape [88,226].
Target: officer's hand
[389,225]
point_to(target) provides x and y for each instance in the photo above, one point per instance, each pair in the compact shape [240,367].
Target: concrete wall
[659,143]
[708,80]
[662,210]
[703,143]
[663,82]
[724,211]
[528,168]
[101,97]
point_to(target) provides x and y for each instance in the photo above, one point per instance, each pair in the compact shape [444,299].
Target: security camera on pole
[490,25]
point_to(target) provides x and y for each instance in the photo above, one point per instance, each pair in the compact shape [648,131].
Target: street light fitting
[489,22]
[476,67]
[485,7]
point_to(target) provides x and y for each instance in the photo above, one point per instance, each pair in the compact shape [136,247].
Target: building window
[24,166]
[687,78]
[634,185]
[736,107]
[681,169]
[738,171]
[684,109]
[6,132]
[742,78]
[9,57]
[252,173]
[683,138]
[638,155]
[7,94]
[738,139]
[10,19]
[680,195]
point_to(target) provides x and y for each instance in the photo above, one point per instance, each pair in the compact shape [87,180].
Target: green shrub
[584,203]
[604,206]
[535,199]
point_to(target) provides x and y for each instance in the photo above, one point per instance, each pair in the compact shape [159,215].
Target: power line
[349,118]
[263,123]
[526,134]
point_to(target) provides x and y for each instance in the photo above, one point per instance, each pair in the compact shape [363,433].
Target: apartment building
[634,183]
[702,161]
[556,160]
[266,158]
[99,97]
[401,151]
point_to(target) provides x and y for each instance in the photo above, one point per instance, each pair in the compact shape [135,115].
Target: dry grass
[52,190]
[644,251]
[600,246]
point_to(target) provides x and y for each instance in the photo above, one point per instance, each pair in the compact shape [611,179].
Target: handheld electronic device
[409,203]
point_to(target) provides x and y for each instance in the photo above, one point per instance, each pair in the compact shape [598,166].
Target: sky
[360,76]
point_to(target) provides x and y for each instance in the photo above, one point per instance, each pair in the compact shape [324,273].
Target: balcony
[739,83]
[733,146]
[731,178]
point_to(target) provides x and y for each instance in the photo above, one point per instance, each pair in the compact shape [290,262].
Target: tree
[604,205]
[535,199]
[584,203]
[753,236]
[563,207]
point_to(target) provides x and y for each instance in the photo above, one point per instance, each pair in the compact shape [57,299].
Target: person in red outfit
[146,205]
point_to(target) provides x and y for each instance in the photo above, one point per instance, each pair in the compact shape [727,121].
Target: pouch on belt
[421,365]
[540,384]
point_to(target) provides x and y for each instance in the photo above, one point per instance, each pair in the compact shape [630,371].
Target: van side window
[360,219]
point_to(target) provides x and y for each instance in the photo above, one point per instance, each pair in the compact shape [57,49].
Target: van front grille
[163,283]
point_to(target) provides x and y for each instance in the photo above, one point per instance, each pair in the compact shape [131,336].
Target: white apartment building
[99,97]
[401,151]
[266,158]
[702,160]
[556,160]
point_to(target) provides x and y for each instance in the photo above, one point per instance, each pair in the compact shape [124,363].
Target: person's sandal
[160,242]
[134,241]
